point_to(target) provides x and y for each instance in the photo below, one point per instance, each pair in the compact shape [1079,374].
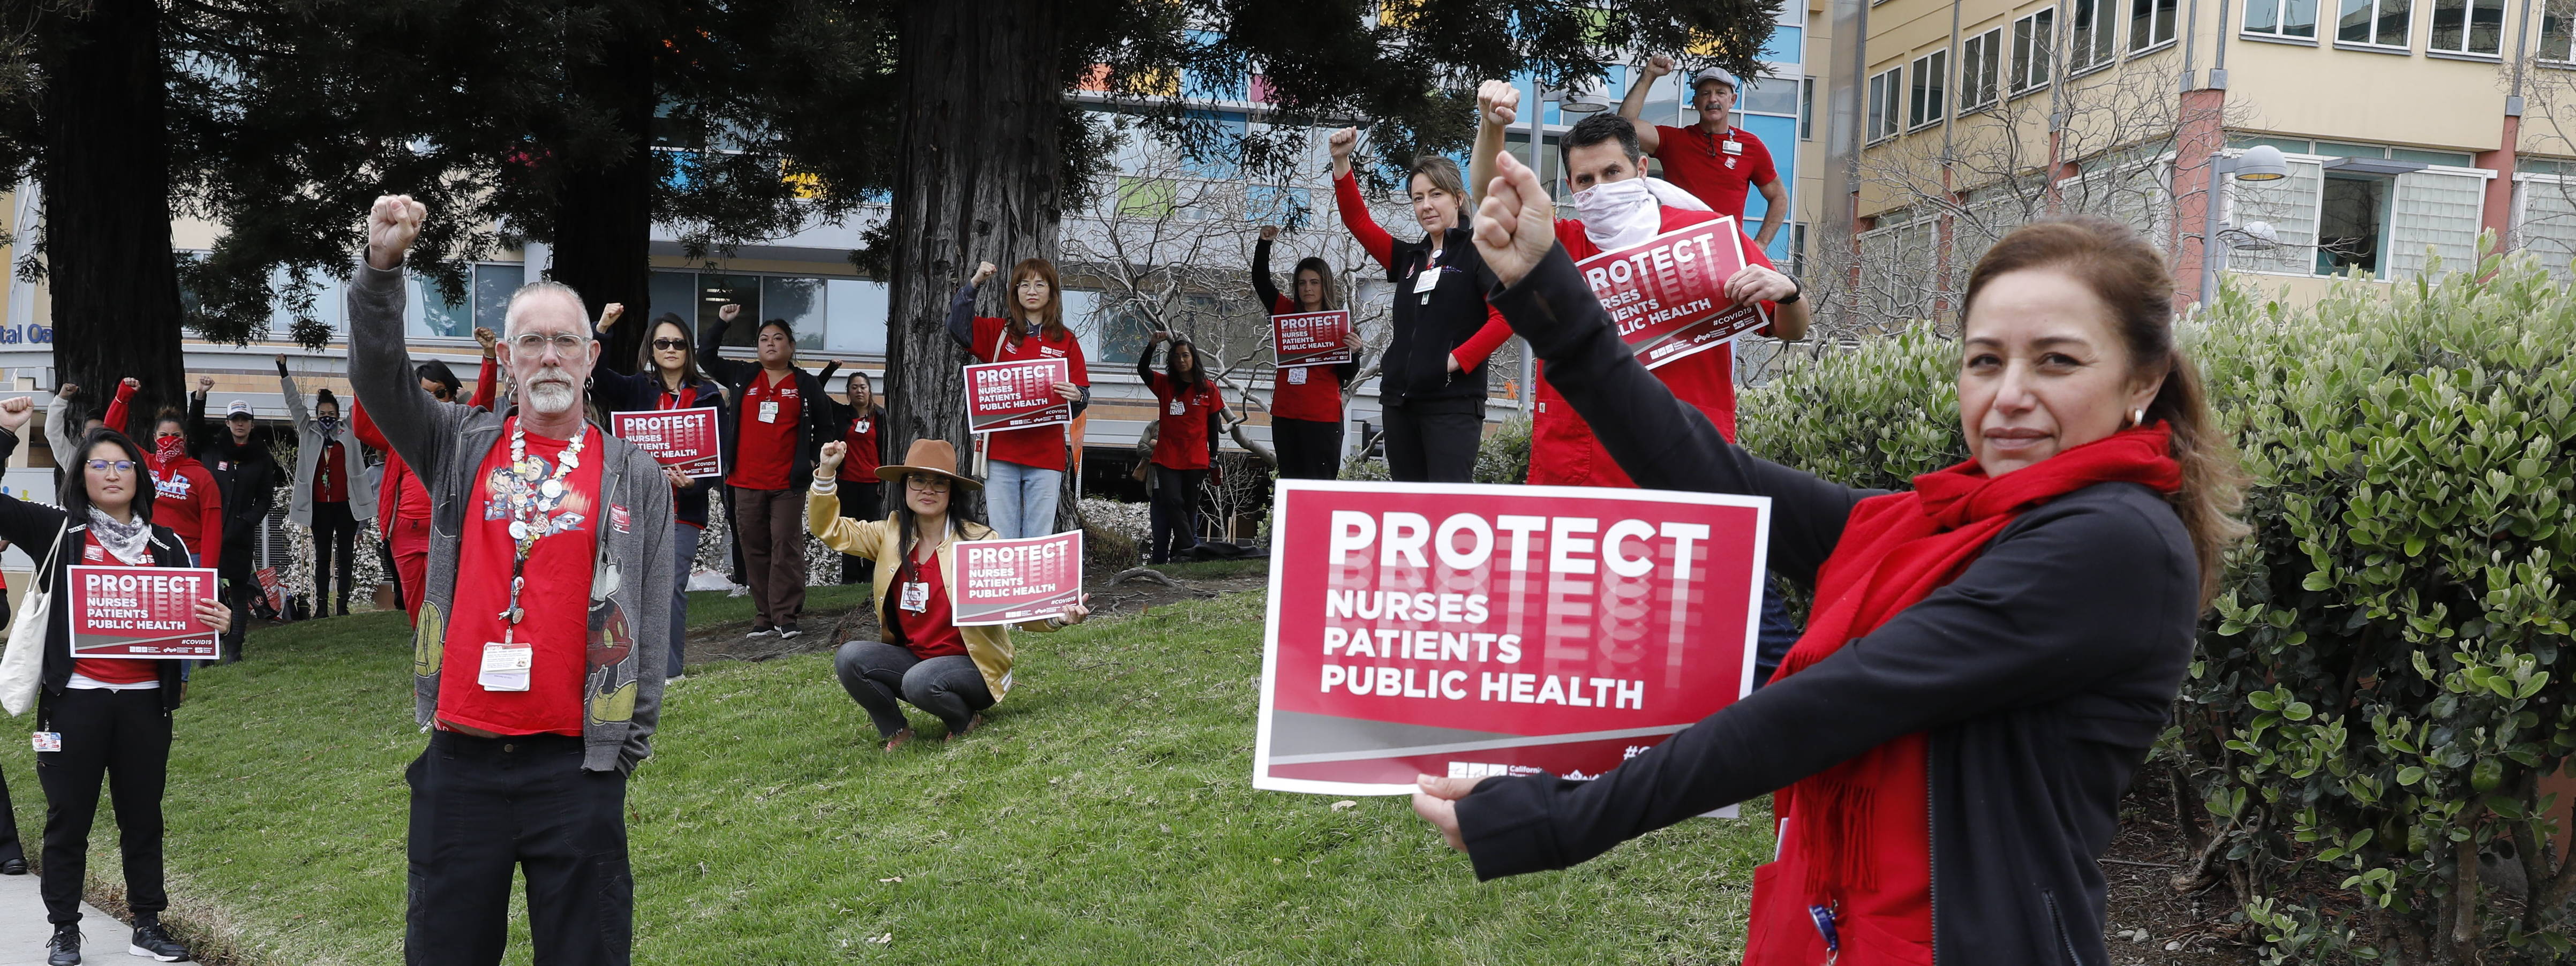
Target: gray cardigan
[445,443]
[308,455]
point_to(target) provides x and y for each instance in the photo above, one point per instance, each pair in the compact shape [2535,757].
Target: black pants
[385,566]
[241,587]
[875,673]
[1434,442]
[335,535]
[1308,449]
[124,738]
[1174,513]
[733,540]
[860,501]
[484,807]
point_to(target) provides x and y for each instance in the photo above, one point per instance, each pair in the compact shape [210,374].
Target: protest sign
[1667,295]
[1470,631]
[272,589]
[1009,581]
[141,612]
[683,438]
[1017,395]
[1311,339]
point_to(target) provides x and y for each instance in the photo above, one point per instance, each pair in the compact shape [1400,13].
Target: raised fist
[1342,142]
[68,390]
[1498,102]
[1657,66]
[205,383]
[830,462]
[392,226]
[1269,233]
[491,340]
[14,413]
[130,382]
[608,315]
[731,311]
[983,272]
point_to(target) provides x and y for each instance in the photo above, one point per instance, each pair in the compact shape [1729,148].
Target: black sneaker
[788,630]
[152,940]
[64,948]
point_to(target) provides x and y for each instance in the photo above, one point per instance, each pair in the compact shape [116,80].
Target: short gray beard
[551,397]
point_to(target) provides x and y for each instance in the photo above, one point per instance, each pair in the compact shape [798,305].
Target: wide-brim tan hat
[933,456]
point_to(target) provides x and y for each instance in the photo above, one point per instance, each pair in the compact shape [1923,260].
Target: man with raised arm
[1713,159]
[549,577]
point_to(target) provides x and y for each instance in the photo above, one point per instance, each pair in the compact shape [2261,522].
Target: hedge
[2387,676]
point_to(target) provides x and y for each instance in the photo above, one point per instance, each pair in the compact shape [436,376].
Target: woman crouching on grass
[950,671]
[111,716]
[2015,627]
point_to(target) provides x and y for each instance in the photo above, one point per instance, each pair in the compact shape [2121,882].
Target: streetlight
[2261,162]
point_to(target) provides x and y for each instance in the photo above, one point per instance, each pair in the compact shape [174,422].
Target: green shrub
[1503,457]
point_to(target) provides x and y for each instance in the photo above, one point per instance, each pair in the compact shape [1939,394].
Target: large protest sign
[141,612]
[1311,338]
[1017,395]
[1497,630]
[683,438]
[1009,581]
[1667,295]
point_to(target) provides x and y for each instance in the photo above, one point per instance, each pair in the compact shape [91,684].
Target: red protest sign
[272,588]
[1497,630]
[1667,295]
[685,438]
[1311,338]
[1017,394]
[141,612]
[1009,581]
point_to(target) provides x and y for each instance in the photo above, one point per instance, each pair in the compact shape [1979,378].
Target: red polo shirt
[556,598]
[765,450]
[113,670]
[1037,447]
[1183,442]
[1307,392]
[1705,166]
[860,465]
[931,632]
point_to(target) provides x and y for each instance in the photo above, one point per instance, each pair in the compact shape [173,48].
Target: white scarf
[130,542]
[1619,214]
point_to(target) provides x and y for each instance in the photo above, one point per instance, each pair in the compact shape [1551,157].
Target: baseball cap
[1714,74]
[239,407]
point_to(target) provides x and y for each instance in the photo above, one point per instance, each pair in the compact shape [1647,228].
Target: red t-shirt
[1702,165]
[929,632]
[113,670]
[556,598]
[1307,392]
[1183,443]
[1037,447]
[861,463]
[331,474]
[1563,451]
[765,451]
[186,500]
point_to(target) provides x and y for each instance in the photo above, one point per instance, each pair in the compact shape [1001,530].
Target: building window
[2089,41]
[2032,37]
[1924,104]
[1807,109]
[1885,104]
[487,299]
[841,315]
[2151,23]
[2474,27]
[2352,214]
[2281,18]
[1797,249]
[1980,63]
[2379,23]
[2558,31]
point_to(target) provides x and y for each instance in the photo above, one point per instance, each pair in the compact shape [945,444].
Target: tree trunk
[981,102]
[603,229]
[106,169]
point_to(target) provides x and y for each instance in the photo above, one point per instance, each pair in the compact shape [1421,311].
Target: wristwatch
[1794,295]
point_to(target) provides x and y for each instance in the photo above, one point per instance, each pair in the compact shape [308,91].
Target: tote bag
[22,667]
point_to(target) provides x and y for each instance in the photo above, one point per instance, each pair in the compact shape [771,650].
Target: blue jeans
[684,560]
[1021,499]
[1778,633]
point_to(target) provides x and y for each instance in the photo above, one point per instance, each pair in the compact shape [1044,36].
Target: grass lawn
[1106,816]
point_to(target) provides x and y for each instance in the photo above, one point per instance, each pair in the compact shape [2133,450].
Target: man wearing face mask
[1622,207]
[1713,160]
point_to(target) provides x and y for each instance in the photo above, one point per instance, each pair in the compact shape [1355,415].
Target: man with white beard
[549,580]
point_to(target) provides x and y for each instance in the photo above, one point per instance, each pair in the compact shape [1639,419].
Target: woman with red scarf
[185,497]
[1991,654]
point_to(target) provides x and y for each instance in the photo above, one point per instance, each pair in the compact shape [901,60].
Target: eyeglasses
[123,466]
[928,484]
[670,343]
[1035,283]
[564,343]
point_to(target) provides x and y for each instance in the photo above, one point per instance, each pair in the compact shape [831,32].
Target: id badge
[860,427]
[49,741]
[505,666]
[1734,146]
[769,410]
[916,597]
[1180,408]
[1297,376]
[1427,279]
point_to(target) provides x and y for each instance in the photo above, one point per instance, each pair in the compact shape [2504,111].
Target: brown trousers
[771,526]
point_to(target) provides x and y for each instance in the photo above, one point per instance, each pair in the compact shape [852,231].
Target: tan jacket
[875,540]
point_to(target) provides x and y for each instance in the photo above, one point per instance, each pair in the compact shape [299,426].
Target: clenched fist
[1342,143]
[983,272]
[1498,103]
[392,226]
[1657,66]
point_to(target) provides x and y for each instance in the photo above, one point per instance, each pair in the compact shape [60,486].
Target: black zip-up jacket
[1415,371]
[618,392]
[34,527]
[245,473]
[813,418]
[1266,289]
[2042,674]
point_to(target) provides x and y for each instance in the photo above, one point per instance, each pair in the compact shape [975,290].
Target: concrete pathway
[23,929]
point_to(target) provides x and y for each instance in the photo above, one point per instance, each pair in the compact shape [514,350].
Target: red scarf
[1856,836]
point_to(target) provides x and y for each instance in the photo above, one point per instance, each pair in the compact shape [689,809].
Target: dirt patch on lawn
[2149,920]
[827,628]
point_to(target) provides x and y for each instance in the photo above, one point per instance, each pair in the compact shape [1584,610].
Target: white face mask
[1619,214]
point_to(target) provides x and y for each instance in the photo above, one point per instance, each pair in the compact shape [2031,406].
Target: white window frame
[2279,20]
[1982,54]
[2406,33]
[2565,20]
[1927,97]
[1883,115]
[2032,66]
[2163,18]
[2105,36]
[2467,10]
[2558,246]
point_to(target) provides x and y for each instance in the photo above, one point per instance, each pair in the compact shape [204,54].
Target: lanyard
[681,400]
[1712,139]
[532,511]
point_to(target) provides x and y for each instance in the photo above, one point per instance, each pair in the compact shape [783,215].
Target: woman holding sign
[2016,626]
[100,718]
[666,377]
[1191,413]
[1305,401]
[925,659]
[1025,465]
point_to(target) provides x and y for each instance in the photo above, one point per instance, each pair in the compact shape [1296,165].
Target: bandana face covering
[169,448]
[1618,214]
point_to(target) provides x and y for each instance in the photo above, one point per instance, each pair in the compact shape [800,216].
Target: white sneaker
[787,632]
